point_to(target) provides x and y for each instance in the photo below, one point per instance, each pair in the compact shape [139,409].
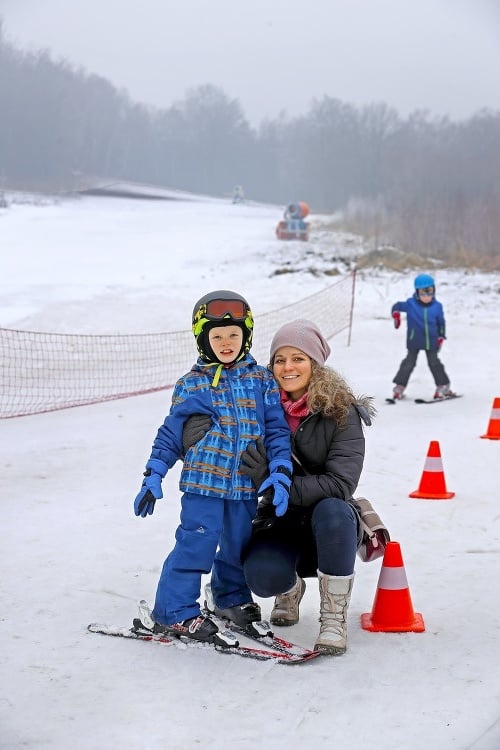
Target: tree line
[425,184]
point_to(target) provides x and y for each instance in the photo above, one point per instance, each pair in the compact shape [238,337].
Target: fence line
[42,372]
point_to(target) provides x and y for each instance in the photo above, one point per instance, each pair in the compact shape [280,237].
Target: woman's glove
[195,428]
[144,503]
[254,463]
[265,516]
[396,317]
[280,480]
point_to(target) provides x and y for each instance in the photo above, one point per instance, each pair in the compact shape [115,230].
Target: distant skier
[426,330]
[238,194]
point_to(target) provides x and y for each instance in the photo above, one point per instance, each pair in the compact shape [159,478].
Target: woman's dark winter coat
[327,462]
[327,459]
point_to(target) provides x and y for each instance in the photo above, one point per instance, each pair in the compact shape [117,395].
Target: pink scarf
[295,411]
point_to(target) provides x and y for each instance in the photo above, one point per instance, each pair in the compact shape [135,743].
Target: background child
[219,501]
[426,329]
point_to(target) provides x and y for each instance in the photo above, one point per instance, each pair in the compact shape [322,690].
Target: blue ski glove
[280,480]
[144,503]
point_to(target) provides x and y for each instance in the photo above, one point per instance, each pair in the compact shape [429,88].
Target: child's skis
[270,647]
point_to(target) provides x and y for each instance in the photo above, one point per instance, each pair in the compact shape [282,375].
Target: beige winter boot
[335,593]
[286,606]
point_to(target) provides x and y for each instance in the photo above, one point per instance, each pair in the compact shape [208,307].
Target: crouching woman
[319,535]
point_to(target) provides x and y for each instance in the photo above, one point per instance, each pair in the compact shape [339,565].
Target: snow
[73,552]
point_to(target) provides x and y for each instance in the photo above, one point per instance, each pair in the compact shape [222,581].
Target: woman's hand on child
[195,428]
[254,463]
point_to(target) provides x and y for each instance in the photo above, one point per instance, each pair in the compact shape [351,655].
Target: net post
[353,292]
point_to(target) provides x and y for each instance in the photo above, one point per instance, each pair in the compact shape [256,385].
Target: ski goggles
[220,309]
[427,292]
[217,309]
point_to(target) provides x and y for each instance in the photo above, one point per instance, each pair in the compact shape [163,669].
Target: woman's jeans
[325,539]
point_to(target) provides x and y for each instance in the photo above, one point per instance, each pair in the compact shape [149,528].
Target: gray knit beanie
[304,335]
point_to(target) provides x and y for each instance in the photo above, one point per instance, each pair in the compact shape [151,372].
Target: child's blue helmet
[423,280]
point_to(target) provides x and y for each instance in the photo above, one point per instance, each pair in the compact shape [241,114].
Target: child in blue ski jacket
[242,402]
[426,330]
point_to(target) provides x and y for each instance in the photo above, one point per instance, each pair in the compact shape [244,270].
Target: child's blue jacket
[244,406]
[425,323]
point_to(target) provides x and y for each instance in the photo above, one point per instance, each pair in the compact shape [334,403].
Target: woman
[320,533]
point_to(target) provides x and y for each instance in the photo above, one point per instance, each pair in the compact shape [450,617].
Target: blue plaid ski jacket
[244,406]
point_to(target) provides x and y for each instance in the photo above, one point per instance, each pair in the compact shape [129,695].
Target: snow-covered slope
[73,552]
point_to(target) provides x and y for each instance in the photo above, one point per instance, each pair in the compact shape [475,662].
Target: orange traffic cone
[433,485]
[392,610]
[493,432]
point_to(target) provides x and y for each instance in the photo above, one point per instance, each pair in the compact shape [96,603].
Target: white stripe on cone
[434,464]
[392,579]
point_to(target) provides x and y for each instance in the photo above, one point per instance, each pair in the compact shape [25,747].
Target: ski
[437,400]
[425,400]
[264,635]
[138,633]
[392,400]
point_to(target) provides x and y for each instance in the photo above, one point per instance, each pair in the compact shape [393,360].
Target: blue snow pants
[211,536]
[303,541]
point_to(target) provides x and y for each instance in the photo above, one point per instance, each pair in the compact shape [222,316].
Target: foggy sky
[439,55]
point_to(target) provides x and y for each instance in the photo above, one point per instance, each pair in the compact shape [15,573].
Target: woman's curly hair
[329,394]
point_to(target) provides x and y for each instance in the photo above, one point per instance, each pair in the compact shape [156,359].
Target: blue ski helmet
[423,280]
